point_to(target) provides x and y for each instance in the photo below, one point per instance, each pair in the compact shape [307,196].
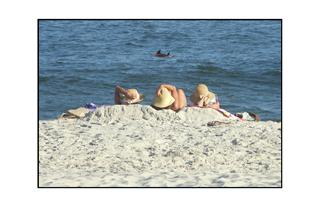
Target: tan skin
[119,91]
[215,105]
[178,95]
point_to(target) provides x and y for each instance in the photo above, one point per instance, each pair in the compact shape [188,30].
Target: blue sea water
[84,60]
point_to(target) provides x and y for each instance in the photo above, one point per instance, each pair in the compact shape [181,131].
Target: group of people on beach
[168,97]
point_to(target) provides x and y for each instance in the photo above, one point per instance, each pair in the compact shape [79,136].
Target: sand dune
[137,146]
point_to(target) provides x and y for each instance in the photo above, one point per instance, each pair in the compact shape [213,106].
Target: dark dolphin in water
[159,54]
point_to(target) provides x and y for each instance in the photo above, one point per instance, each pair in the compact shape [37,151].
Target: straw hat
[202,95]
[125,100]
[163,100]
[79,112]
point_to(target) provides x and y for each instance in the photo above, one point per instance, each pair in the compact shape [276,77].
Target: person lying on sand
[130,96]
[167,97]
[203,97]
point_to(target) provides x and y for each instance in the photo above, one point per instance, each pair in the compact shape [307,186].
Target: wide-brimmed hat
[79,112]
[126,100]
[163,100]
[202,95]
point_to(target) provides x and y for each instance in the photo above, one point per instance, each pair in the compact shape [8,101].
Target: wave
[44,79]
[131,44]
[209,68]
[273,73]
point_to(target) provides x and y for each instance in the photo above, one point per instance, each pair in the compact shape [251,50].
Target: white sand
[137,146]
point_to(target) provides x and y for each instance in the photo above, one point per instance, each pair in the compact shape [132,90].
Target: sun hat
[163,100]
[202,96]
[79,112]
[126,100]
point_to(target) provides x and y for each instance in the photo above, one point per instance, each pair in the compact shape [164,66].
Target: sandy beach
[137,146]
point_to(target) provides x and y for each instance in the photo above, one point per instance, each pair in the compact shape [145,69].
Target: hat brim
[141,97]
[79,112]
[196,99]
[164,103]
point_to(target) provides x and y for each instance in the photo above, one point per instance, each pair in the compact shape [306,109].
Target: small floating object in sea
[159,54]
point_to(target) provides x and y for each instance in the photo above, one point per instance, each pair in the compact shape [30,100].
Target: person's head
[126,100]
[202,96]
[163,101]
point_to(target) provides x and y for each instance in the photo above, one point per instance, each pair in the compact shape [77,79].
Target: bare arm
[215,105]
[119,91]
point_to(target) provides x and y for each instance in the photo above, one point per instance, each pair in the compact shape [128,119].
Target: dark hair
[158,108]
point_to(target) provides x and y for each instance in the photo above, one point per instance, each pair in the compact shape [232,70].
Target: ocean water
[83,61]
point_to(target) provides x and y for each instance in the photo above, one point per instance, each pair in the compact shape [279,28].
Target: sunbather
[203,97]
[130,96]
[167,97]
